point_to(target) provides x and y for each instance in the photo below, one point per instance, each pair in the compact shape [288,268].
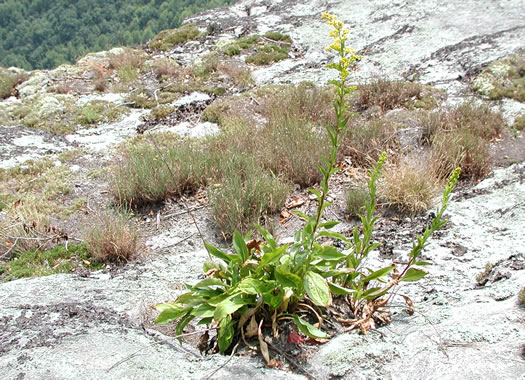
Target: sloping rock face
[94,326]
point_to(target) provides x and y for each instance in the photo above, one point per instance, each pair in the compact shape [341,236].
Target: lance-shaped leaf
[225,333]
[169,312]
[240,246]
[287,279]
[228,306]
[413,275]
[309,329]
[378,273]
[254,286]
[317,289]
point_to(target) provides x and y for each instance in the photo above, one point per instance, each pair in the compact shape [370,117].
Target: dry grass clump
[410,189]
[166,68]
[521,297]
[387,94]
[127,64]
[460,137]
[111,239]
[241,76]
[158,167]
[462,149]
[356,198]
[519,123]
[245,194]
[366,139]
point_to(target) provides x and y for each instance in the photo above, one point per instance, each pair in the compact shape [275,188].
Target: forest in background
[42,34]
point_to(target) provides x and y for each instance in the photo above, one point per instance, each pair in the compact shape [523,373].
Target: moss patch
[504,78]
[37,263]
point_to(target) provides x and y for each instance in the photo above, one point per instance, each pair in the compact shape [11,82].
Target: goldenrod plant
[266,283]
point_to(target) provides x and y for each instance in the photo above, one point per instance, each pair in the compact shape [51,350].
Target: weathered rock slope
[96,325]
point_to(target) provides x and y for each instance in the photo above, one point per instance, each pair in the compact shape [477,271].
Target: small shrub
[432,123]
[479,120]
[141,98]
[277,36]
[206,64]
[168,38]
[356,199]
[268,54]
[387,94]
[246,194]
[160,112]
[111,239]
[519,123]
[483,277]
[127,64]
[8,81]
[409,189]
[97,111]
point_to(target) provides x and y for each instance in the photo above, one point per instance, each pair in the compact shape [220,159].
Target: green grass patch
[171,37]
[36,263]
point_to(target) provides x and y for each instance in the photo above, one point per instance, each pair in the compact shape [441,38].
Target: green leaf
[205,321]
[422,263]
[317,289]
[413,275]
[220,254]
[268,257]
[240,246]
[274,300]
[338,290]
[183,323]
[378,273]
[225,333]
[169,312]
[208,282]
[315,192]
[329,225]
[301,214]
[268,237]
[308,329]
[329,253]
[228,306]
[203,311]
[287,279]
[254,286]
[333,235]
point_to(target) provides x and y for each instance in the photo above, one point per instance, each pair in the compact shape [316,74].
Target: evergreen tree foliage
[40,34]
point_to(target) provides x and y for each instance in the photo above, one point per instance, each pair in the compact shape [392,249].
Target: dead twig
[185,211]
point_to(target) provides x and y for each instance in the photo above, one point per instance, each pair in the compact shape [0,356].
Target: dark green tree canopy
[40,34]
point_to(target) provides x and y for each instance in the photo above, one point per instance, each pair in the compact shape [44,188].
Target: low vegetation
[504,78]
[271,48]
[59,259]
[356,198]
[263,283]
[167,39]
[409,188]
[8,81]
[111,239]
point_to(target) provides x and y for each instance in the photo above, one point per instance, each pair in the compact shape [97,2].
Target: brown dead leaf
[17,203]
[285,215]
[9,244]
[296,202]
[410,304]
[263,345]
[86,262]
[252,329]
[254,244]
